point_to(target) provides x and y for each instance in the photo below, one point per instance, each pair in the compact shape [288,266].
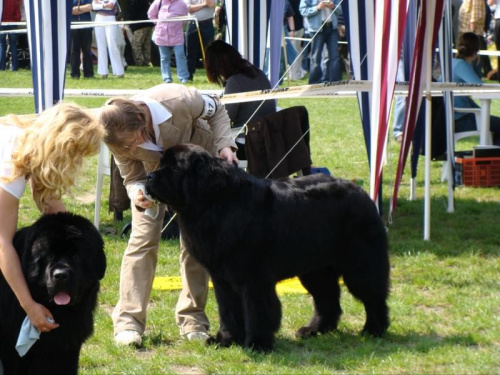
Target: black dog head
[62,256]
[186,173]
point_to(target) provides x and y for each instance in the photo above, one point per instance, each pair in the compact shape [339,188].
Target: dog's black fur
[61,254]
[251,233]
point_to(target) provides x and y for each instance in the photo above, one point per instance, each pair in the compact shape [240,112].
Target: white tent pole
[242,22]
[444,54]
[428,120]
[413,187]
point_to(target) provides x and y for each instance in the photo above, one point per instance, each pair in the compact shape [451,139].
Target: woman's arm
[77,10]
[154,10]
[10,264]
[206,4]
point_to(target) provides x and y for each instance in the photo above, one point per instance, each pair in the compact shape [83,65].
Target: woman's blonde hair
[51,149]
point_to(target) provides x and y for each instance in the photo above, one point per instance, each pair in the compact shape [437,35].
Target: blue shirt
[309,9]
[463,72]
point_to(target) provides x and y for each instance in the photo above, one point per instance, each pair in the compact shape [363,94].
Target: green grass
[445,300]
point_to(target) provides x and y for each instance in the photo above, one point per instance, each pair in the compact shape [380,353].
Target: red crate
[478,171]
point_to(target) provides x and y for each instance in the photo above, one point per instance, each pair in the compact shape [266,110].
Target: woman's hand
[140,200]
[228,154]
[40,317]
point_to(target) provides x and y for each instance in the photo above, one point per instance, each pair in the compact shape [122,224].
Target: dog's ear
[210,173]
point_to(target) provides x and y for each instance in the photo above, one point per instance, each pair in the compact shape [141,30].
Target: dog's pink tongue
[62,298]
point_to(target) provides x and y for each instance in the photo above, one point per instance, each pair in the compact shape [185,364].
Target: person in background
[227,68]
[138,131]
[485,59]
[220,20]
[496,33]
[48,152]
[170,35]
[137,10]
[203,10]
[322,25]
[463,72]
[106,39]
[472,18]
[11,13]
[296,71]
[289,30]
[81,41]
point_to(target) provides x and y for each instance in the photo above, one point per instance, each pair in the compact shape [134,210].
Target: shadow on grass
[342,350]
[158,339]
[472,228]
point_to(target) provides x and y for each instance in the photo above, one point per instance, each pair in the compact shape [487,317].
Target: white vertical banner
[48,24]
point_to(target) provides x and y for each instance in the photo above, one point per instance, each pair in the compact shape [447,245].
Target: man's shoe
[196,335]
[128,337]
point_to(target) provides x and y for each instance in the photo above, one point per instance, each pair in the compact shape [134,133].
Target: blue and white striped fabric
[251,23]
[360,24]
[48,24]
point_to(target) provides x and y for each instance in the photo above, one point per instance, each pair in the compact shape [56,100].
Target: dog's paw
[374,331]
[260,346]
[306,332]
[222,339]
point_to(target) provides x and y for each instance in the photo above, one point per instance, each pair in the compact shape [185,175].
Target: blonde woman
[48,152]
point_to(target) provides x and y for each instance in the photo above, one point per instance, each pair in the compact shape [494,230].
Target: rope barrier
[321,90]
[85,25]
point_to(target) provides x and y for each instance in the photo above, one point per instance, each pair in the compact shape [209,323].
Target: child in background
[170,35]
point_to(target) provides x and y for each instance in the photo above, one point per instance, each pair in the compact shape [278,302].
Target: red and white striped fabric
[429,20]
[390,18]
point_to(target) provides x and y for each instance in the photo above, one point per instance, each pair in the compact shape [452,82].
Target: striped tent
[375,34]
[48,24]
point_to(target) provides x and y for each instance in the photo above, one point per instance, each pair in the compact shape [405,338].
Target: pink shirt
[168,33]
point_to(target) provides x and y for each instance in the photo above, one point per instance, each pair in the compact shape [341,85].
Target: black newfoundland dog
[62,257]
[251,233]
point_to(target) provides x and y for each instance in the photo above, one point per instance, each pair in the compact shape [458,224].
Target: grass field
[445,294]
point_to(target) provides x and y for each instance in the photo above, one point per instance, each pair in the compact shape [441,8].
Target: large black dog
[251,233]
[62,257]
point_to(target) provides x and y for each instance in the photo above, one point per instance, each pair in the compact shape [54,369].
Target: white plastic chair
[460,135]
[471,133]
[103,168]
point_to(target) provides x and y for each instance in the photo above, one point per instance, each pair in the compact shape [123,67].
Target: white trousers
[106,39]
[296,72]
